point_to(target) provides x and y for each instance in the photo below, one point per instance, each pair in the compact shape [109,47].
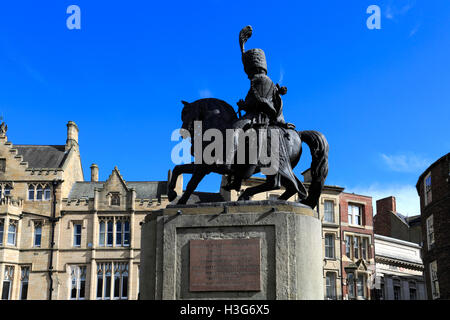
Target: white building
[399,269]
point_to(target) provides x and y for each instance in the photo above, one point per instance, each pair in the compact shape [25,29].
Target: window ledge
[357,226]
[329,224]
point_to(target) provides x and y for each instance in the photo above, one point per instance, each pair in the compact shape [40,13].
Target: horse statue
[217,114]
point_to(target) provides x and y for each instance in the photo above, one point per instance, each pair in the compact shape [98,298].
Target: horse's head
[213,113]
[189,114]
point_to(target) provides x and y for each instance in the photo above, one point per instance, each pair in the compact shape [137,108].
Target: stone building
[399,270]
[433,187]
[62,237]
[357,246]
[390,223]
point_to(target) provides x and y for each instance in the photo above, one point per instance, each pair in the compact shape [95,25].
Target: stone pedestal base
[273,250]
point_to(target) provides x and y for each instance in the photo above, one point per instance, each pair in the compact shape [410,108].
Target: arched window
[47,192]
[31,188]
[39,192]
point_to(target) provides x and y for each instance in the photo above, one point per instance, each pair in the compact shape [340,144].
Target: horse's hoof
[172,195]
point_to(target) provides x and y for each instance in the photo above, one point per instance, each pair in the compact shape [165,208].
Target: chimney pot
[72,135]
[94,173]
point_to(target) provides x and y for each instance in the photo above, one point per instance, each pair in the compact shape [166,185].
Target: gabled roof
[42,156]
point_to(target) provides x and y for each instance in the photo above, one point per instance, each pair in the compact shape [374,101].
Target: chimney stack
[386,204]
[94,173]
[72,135]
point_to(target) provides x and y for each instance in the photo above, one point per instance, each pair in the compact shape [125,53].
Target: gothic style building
[65,238]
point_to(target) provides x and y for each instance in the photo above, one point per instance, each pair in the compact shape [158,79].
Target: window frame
[24,280]
[352,216]
[361,285]
[3,165]
[15,224]
[351,285]
[330,285]
[435,293]
[328,213]
[114,277]
[110,235]
[330,246]
[412,289]
[362,248]
[8,277]
[78,275]
[37,226]
[428,195]
[2,230]
[76,235]
[397,289]
[430,232]
[115,199]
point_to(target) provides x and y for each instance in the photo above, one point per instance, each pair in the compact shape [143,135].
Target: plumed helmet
[253,58]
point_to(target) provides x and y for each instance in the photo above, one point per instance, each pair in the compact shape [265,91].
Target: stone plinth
[261,250]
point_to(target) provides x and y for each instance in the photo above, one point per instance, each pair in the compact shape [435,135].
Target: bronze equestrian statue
[263,106]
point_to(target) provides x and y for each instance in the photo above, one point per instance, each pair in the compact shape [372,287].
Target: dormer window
[115,199]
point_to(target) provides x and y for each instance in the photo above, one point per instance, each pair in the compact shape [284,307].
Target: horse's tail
[318,146]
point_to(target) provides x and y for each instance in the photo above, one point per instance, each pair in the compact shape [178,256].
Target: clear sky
[381,97]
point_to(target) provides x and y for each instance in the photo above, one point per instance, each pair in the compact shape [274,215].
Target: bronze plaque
[225,265]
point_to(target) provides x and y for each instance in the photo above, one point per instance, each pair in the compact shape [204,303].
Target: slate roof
[42,156]
[402,217]
[409,220]
[144,189]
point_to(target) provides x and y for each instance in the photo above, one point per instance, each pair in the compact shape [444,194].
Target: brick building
[433,187]
[358,261]
[390,223]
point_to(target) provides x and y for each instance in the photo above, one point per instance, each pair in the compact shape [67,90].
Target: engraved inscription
[225,265]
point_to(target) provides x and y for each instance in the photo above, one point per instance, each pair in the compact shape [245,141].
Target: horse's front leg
[179,169]
[198,175]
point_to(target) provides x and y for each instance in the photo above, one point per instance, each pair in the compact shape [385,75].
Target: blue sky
[381,97]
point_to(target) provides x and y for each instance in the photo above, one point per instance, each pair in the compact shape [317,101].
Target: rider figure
[263,104]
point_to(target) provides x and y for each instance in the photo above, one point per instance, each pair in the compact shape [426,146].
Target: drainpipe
[340,243]
[53,220]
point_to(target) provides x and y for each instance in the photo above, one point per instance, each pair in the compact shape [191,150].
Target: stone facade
[399,270]
[62,237]
[433,187]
